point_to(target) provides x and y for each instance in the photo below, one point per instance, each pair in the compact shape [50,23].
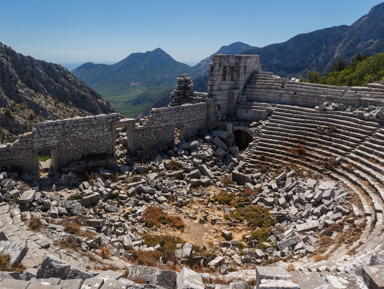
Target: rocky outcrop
[33,90]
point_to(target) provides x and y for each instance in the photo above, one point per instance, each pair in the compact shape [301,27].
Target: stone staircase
[39,246]
[337,144]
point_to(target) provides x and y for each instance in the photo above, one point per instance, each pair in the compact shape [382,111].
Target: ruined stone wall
[228,76]
[266,88]
[159,130]
[68,140]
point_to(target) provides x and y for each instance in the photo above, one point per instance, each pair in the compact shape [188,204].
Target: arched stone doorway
[242,139]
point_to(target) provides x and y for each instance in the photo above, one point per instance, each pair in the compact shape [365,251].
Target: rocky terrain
[32,91]
[187,217]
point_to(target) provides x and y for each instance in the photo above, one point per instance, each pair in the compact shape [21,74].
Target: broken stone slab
[164,278]
[9,275]
[189,145]
[53,267]
[269,274]
[93,283]
[227,235]
[189,279]
[217,141]
[71,284]
[90,201]
[51,283]
[27,197]
[77,273]
[109,274]
[288,242]
[96,223]
[277,284]
[15,250]
[373,276]
[314,281]
[117,284]
[240,178]
[14,284]
[141,272]
[207,172]
[216,262]
[308,226]
[184,252]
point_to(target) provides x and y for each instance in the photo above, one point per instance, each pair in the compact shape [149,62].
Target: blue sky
[78,31]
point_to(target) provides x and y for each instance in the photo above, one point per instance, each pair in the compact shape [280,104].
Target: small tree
[313,76]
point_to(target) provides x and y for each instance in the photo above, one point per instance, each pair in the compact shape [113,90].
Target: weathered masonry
[238,91]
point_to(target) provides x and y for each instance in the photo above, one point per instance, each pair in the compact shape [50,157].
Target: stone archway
[242,139]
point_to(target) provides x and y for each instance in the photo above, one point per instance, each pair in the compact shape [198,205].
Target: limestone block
[14,284]
[164,278]
[373,276]
[71,284]
[93,283]
[141,272]
[51,283]
[53,267]
[77,273]
[90,201]
[314,281]
[267,277]
[240,178]
[27,197]
[189,279]
[216,262]
[308,226]
[15,250]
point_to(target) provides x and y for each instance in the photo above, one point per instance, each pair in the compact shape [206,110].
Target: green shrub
[255,215]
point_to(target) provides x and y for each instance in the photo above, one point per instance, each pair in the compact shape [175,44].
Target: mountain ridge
[34,90]
[135,80]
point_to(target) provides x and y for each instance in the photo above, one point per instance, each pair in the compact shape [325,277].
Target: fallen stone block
[278,284]
[141,272]
[220,143]
[189,279]
[51,283]
[15,250]
[93,283]
[90,201]
[53,267]
[216,262]
[77,273]
[27,197]
[270,274]
[9,275]
[240,179]
[14,284]
[96,223]
[308,226]
[71,284]
[165,278]
[288,242]
[374,277]
[314,281]
[227,235]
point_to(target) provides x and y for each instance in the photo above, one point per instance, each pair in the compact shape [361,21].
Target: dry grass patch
[6,266]
[155,217]
[104,252]
[34,224]
[68,243]
[319,257]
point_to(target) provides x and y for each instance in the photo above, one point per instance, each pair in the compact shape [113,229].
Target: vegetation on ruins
[6,266]
[155,217]
[359,72]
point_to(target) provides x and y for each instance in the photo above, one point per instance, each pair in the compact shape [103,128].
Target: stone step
[328,119]
[353,141]
[298,134]
[314,125]
[366,174]
[335,114]
[373,193]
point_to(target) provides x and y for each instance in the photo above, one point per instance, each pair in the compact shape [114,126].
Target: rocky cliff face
[316,51]
[32,90]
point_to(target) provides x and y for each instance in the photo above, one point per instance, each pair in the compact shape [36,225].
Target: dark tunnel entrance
[242,139]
